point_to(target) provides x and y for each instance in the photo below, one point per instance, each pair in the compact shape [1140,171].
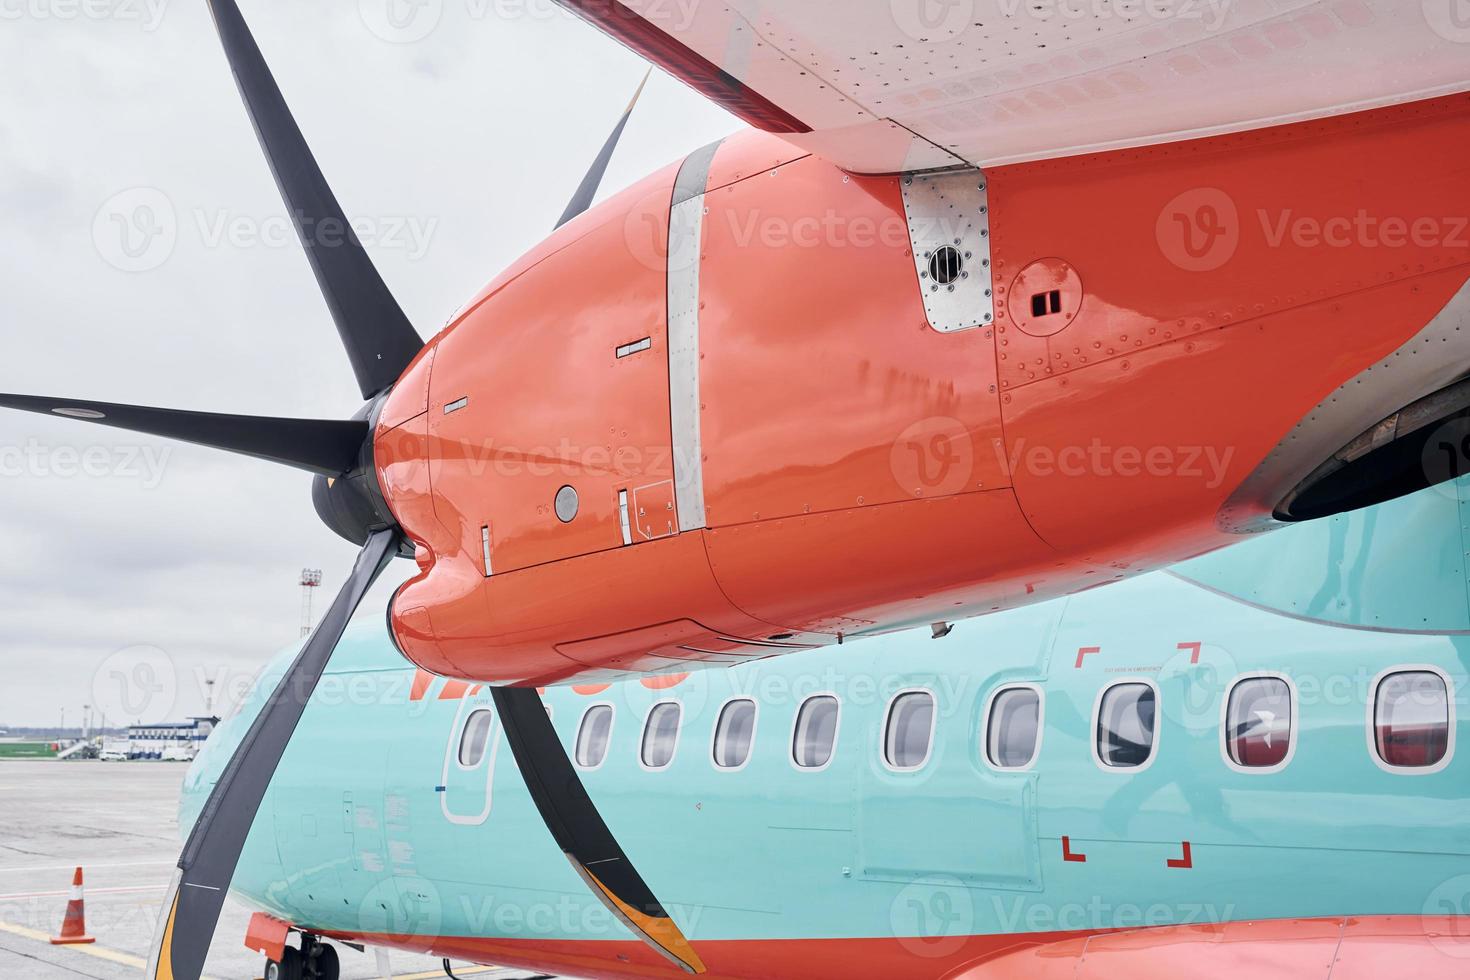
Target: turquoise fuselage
[371,827]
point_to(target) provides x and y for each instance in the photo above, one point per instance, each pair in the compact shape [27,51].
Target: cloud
[483,127]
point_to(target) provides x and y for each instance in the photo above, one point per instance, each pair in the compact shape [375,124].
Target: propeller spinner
[380,344]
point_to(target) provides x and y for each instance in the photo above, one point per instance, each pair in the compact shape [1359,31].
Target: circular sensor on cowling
[566,505]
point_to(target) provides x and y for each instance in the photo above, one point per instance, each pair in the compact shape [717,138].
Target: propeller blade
[379,339]
[579,829]
[587,190]
[214,845]
[321,446]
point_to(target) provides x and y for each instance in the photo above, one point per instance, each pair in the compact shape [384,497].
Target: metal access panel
[949,228]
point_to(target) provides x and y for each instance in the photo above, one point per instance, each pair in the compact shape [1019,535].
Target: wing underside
[890,86]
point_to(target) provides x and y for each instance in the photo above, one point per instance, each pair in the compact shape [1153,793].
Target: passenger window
[734,732]
[1258,726]
[816,732]
[1412,719]
[1125,726]
[593,736]
[475,738]
[1013,731]
[661,735]
[910,730]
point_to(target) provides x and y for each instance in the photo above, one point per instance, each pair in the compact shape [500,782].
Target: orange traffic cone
[74,926]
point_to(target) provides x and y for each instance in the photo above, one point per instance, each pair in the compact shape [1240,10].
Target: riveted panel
[949,227]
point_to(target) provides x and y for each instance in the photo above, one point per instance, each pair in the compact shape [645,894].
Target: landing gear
[322,962]
[315,960]
[287,968]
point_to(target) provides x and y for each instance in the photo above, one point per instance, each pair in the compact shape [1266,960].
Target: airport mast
[311,580]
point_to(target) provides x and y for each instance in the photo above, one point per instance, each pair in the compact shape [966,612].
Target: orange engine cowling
[737,410]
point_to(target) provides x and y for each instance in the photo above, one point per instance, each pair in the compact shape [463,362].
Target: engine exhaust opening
[1419,446]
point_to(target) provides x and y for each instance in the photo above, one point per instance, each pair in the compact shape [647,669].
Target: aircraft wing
[887,86]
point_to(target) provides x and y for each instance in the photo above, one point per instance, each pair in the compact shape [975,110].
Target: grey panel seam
[686,230]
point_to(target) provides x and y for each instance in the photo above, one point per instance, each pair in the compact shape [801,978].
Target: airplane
[974,317]
[1246,765]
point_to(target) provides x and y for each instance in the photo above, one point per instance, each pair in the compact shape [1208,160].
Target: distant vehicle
[178,753]
[116,750]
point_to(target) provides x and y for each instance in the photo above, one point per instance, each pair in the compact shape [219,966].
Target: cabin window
[1411,723]
[816,732]
[909,733]
[734,734]
[476,737]
[1259,723]
[594,735]
[1125,726]
[1013,728]
[661,735]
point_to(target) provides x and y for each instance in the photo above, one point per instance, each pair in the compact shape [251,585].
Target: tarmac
[118,821]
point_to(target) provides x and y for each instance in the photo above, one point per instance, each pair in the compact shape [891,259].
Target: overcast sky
[460,132]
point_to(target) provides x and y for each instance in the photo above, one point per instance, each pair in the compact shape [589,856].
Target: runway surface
[118,821]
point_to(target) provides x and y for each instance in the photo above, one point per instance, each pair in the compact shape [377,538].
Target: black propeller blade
[218,837]
[578,828]
[587,190]
[379,339]
[380,344]
[322,446]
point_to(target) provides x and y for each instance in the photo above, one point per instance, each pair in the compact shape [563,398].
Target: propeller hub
[352,504]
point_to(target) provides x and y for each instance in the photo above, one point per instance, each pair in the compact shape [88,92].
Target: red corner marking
[1067,854]
[1084,651]
[1193,657]
[1187,861]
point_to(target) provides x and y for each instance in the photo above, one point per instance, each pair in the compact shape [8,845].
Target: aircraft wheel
[324,964]
[289,967]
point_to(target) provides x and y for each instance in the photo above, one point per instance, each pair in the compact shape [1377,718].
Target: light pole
[311,580]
